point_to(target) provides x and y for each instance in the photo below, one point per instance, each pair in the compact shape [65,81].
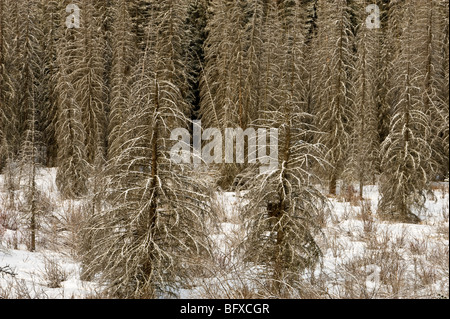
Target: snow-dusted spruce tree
[73,168]
[406,153]
[430,30]
[140,15]
[3,117]
[282,203]
[308,87]
[14,17]
[443,89]
[151,230]
[363,163]
[104,10]
[29,99]
[9,114]
[30,157]
[333,66]
[50,14]
[123,62]
[195,57]
[231,85]
[7,93]
[87,77]
[391,28]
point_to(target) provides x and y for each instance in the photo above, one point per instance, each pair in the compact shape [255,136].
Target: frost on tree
[406,153]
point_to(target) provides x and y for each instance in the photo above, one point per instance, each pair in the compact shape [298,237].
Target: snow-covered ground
[36,275]
[51,271]
[363,257]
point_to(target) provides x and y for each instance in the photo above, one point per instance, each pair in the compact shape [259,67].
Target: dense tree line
[351,103]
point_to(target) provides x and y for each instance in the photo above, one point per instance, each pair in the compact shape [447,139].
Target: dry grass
[19,289]
[349,194]
[54,274]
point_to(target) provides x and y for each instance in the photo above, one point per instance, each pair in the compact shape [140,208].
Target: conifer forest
[224,149]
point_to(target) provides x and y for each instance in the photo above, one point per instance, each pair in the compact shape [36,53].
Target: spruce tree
[123,61]
[29,99]
[88,78]
[430,28]
[364,151]
[283,203]
[50,16]
[333,66]
[231,87]
[151,228]
[406,153]
[73,167]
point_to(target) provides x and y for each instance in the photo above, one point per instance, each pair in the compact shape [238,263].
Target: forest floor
[363,257]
